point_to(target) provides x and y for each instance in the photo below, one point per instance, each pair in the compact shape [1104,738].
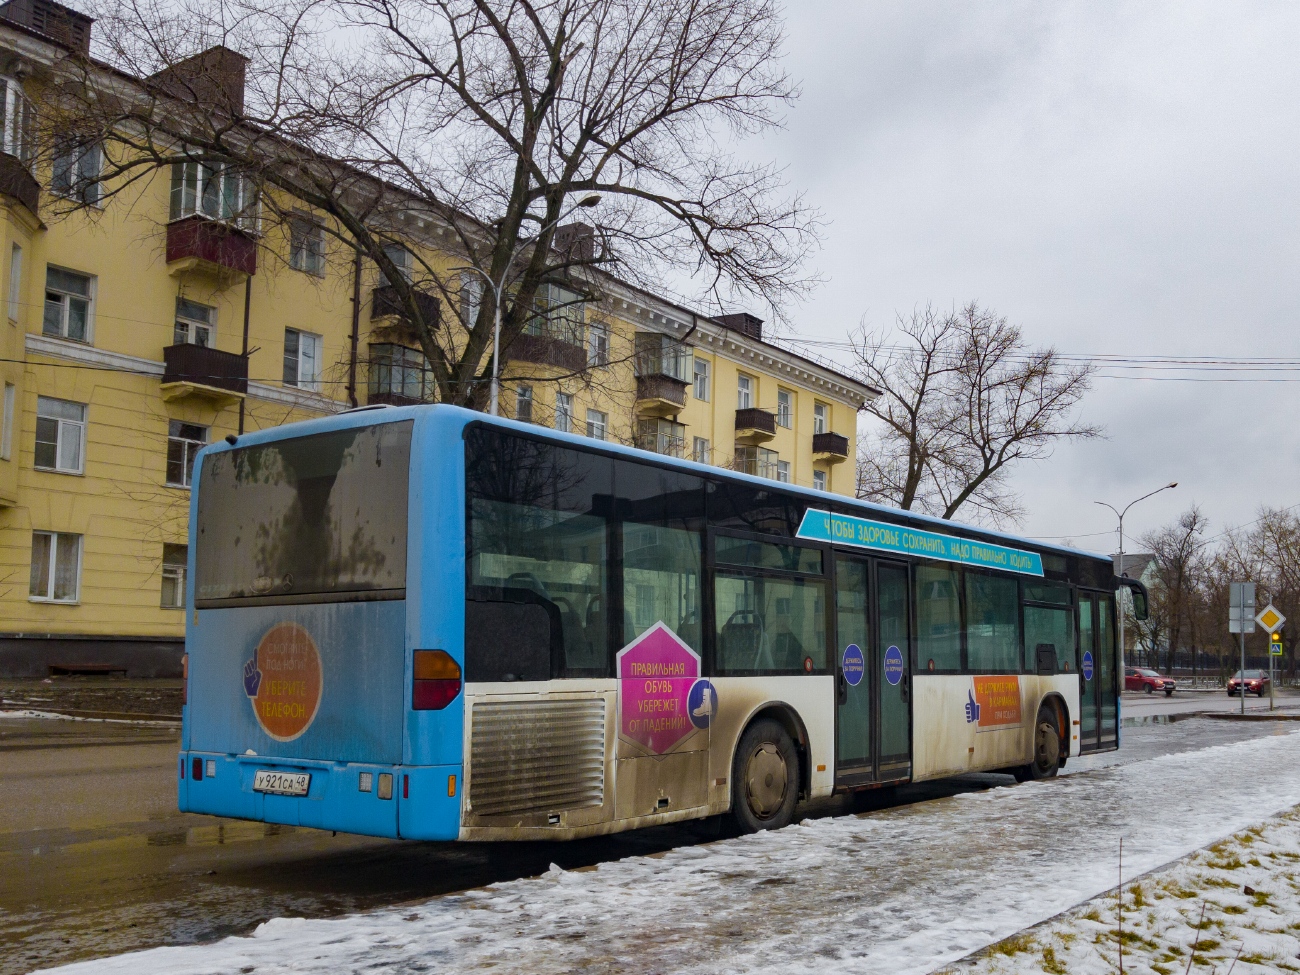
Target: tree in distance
[478,125]
[963,400]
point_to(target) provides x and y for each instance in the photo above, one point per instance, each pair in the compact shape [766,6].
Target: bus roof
[363,416]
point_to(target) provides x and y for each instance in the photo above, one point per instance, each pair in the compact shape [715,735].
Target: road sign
[1241,607]
[1270,619]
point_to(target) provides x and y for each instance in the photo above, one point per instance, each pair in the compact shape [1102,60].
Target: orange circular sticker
[283,681]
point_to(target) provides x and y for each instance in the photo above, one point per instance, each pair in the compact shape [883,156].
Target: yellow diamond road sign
[1270,619]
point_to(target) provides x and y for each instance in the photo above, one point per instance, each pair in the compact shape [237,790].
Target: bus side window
[938,619]
[1049,621]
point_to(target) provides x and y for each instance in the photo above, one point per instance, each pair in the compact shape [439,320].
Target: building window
[301,359]
[564,412]
[784,408]
[307,246]
[174,561]
[215,192]
[524,404]
[783,471]
[700,452]
[184,441]
[597,424]
[76,174]
[68,298]
[662,355]
[561,316]
[661,437]
[60,435]
[758,461]
[15,121]
[399,373]
[598,346]
[819,480]
[194,323]
[401,258]
[7,433]
[56,567]
[15,281]
[702,380]
[744,392]
[471,297]
[821,418]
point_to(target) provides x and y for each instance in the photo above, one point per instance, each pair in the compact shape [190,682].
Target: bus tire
[1047,747]
[764,778]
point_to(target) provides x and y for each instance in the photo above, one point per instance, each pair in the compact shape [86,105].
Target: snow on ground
[1234,906]
[55,716]
[901,891]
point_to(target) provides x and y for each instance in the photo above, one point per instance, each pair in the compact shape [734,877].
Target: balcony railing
[755,425]
[17,182]
[658,395]
[211,243]
[384,303]
[557,342]
[830,446]
[198,365]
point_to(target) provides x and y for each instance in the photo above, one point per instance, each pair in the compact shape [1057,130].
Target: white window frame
[400,255]
[597,425]
[783,471]
[234,200]
[820,481]
[564,412]
[66,429]
[784,408]
[700,385]
[524,404]
[307,246]
[65,304]
[192,324]
[471,297]
[175,572]
[76,173]
[309,379]
[701,452]
[821,417]
[15,282]
[15,120]
[189,447]
[57,541]
[7,431]
[744,391]
[597,345]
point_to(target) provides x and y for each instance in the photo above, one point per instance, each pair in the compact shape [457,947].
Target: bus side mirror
[1139,594]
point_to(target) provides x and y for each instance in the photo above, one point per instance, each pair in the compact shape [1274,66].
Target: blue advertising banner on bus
[881,536]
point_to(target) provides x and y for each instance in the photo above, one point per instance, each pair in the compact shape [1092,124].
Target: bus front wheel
[765,778]
[1047,747]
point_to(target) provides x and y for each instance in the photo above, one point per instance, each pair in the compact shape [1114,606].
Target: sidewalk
[898,892]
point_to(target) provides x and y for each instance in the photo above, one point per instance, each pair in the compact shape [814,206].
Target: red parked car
[1146,679]
[1256,682]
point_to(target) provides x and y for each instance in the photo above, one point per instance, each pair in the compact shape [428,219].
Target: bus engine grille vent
[537,756]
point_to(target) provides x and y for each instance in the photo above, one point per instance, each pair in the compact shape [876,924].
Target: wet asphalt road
[95,859]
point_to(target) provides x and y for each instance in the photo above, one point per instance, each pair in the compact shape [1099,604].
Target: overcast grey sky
[1113,177]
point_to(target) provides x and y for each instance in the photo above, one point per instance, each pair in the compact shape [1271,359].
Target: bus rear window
[318,516]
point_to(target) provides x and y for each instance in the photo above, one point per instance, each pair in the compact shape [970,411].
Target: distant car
[1256,682]
[1146,679]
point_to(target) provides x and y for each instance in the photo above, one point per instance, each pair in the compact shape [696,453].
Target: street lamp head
[1172,484]
[589,201]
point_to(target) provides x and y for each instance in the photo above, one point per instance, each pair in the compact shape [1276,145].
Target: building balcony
[754,426]
[560,347]
[199,244]
[830,448]
[385,304]
[195,371]
[17,182]
[659,395]
[662,443]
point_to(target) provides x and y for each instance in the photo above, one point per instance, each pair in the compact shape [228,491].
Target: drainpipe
[248,304]
[356,328]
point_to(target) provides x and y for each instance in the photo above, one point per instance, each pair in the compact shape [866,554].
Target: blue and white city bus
[427,623]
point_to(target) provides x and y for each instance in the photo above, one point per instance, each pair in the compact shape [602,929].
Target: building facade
[145,325]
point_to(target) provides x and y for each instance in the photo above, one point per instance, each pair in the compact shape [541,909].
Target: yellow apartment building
[138,331]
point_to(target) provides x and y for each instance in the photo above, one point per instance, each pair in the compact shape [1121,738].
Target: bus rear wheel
[764,778]
[1047,748]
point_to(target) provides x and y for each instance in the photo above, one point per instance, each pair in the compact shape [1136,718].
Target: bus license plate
[281,783]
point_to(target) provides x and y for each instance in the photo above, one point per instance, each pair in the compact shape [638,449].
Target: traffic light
[1275,644]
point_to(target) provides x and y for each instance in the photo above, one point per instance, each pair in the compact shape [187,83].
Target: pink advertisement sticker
[656,671]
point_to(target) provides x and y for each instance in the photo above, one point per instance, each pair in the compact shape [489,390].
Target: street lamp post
[1120,514]
[498,288]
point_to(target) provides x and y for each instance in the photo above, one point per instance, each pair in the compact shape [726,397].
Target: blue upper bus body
[333,680]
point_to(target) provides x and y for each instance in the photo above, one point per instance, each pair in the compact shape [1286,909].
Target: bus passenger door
[1090,718]
[892,668]
[853,758]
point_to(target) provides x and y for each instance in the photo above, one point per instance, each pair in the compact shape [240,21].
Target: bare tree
[473,127]
[1179,551]
[963,399]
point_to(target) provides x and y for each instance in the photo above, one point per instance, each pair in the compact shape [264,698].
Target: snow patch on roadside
[55,716]
[901,891]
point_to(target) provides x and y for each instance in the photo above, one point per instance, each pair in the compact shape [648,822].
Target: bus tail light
[437,680]
[185,678]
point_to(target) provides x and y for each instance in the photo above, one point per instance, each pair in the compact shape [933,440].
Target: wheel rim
[1047,747]
[765,779]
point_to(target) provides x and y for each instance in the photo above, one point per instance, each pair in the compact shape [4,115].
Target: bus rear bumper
[418,802]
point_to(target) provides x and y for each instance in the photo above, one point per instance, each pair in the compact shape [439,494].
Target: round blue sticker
[702,703]
[893,665]
[853,664]
[1087,665]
